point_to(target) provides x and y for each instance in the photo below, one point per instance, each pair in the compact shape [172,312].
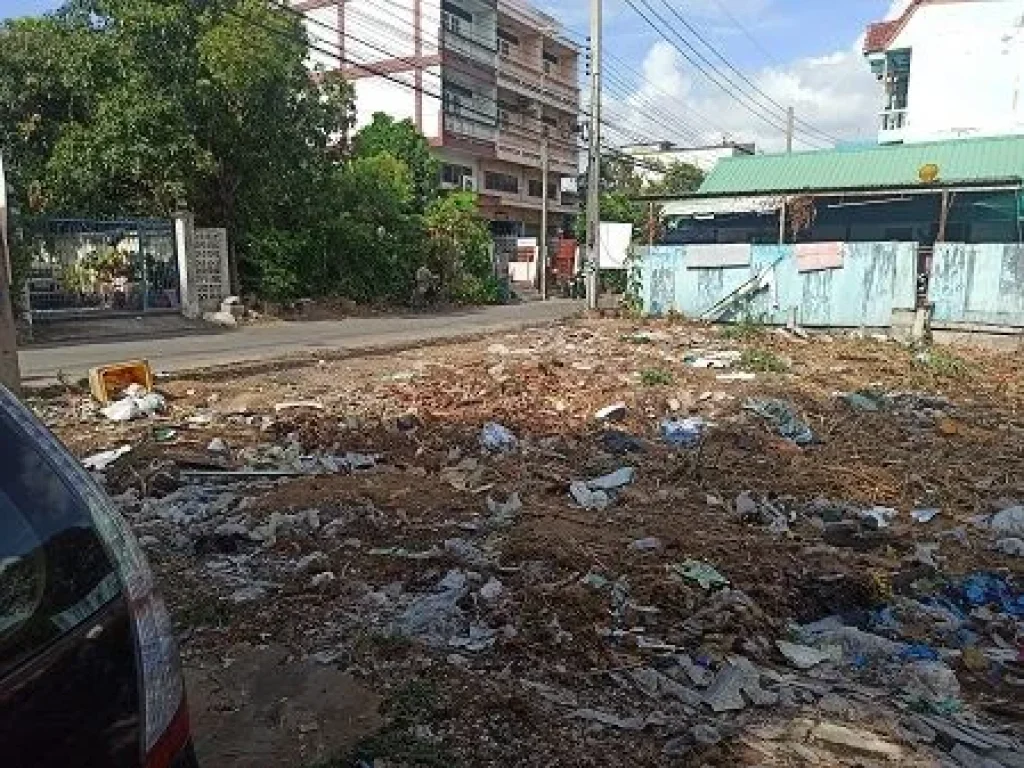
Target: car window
[54,571]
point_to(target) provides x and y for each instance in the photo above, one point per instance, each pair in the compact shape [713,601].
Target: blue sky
[805,55]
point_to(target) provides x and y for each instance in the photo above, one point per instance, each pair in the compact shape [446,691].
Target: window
[550,62]
[453,17]
[54,571]
[454,174]
[506,42]
[501,182]
[535,188]
[456,98]
[550,121]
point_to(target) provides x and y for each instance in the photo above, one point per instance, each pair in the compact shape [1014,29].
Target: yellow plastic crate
[105,381]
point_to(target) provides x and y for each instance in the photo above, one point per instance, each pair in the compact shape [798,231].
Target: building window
[453,17]
[506,42]
[454,174]
[456,99]
[551,63]
[535,188]
[501,182]
[550,121]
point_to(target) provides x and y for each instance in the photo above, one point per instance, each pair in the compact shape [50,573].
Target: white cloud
[835,93]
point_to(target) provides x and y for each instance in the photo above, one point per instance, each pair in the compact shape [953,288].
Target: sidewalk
[272,341]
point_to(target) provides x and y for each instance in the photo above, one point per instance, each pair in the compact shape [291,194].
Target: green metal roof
[959,161]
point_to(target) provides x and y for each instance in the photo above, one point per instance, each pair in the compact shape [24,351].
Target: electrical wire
[696,33]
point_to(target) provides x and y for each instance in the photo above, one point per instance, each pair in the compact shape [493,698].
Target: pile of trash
[588,567]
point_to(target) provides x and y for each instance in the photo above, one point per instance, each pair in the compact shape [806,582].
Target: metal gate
[84,266]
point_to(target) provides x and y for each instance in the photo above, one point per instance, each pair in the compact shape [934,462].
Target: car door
[69,686]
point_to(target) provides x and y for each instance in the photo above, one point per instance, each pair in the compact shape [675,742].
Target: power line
[738,95]
[369,67]
[675,12]
[746,33]
[671,124]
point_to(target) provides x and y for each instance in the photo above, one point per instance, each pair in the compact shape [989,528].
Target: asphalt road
[279,340]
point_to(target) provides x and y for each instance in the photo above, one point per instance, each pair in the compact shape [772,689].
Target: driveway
[283,339]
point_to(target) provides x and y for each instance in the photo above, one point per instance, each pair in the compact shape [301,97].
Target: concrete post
[184,242]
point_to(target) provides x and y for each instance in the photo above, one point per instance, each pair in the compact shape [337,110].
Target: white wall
[704,158]
[377,94]
[320,30]
[966,70]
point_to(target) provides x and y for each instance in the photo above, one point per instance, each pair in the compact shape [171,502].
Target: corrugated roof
[959,161]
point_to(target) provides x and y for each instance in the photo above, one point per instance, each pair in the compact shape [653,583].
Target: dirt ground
[466,610]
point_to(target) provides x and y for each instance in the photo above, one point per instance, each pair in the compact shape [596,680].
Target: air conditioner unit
[468,184]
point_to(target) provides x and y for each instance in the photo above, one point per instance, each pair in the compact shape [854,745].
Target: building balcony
[555,90]
[473,48]
[522,146]
[892,124]
[474,128]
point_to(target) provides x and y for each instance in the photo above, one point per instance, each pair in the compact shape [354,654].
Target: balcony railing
[525,75]
[471,47]
[469,127]
[894,119]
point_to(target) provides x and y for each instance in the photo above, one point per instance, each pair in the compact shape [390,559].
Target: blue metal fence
[90,265]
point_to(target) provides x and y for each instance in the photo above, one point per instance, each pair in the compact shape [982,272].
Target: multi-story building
[488,82]
[666,154]
[950,69]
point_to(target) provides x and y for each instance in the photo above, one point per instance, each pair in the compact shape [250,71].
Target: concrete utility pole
[544,163]
[10,375]
[594,166]
[790,128]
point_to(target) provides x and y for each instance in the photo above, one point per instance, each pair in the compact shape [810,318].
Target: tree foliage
[138,107]
[401,139]
[459,249]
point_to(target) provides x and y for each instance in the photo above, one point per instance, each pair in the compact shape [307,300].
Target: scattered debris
[383,533]
[615,412]
[135,403]
[497,439]
[100,461]
[715,360]
[702,573]
[925,515]
[784,418]
[683,433]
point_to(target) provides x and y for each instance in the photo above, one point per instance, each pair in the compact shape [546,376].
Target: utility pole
[594,165]
[10,374]
[544,163]
[790,129]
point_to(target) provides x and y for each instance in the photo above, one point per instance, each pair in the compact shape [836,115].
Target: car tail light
[163,692]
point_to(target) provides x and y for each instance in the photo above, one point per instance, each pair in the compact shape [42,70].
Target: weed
[656,377]
[746,328]
[942,362]
[762,361]
[637,339]
[205,613]
[415,703]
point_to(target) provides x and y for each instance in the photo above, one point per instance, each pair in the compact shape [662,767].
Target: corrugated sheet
[981,284]
[875,279]
[959,161]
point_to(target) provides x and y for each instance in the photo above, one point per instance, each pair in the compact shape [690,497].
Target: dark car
[89,670]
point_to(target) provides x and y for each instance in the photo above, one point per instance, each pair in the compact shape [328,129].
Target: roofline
[981,185]
[896,26]
[742,147]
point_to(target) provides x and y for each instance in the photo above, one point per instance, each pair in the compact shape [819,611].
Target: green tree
[459,249]
[402,140]
[679,179]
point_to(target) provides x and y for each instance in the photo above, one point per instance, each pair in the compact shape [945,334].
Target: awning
[709,206]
